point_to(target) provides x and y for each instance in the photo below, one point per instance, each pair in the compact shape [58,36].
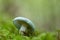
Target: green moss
[9,32]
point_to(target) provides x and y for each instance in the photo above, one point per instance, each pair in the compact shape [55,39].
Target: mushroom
[24,25]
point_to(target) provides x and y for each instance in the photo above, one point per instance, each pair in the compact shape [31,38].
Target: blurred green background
[45,14]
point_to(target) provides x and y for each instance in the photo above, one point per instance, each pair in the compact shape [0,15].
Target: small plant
[58,34]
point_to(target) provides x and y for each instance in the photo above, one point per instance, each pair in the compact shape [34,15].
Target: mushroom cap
[19,21]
